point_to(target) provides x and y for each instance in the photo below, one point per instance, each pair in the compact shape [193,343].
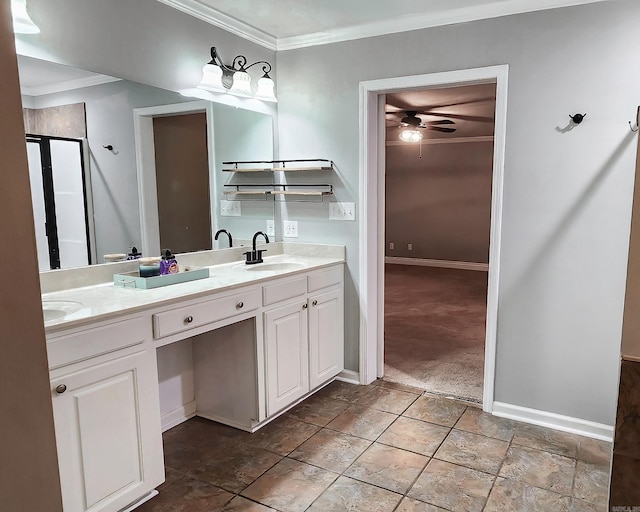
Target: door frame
[371,223]
[146,166]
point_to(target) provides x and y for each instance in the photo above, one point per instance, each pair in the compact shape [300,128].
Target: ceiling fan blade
[462,117]
[441,129]
[440,121]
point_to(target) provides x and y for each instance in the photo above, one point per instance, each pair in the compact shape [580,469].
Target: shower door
[59,197]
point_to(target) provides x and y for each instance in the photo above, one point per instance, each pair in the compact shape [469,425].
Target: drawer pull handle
[188,320]
[314,303]
[61,389]
[304,306]
[240,305]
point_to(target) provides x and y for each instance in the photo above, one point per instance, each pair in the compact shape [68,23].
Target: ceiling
[287,24]
[470,108]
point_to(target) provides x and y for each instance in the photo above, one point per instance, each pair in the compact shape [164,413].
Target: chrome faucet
[226,233]
[255,256]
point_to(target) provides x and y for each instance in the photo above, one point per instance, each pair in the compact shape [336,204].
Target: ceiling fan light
[212,78]
[22,22]
[265,90]
[410,136]
[241,84]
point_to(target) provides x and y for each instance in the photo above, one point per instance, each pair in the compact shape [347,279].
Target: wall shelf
[319,164]
[280,191]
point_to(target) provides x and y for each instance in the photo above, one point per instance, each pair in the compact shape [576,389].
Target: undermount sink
[54,309]
[275,266]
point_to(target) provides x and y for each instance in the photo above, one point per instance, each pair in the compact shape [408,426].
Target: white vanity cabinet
[304,338]
[106,414]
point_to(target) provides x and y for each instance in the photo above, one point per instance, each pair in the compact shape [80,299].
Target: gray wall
[440,203]
[567,196]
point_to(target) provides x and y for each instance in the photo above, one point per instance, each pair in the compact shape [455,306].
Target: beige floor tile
[452,487]
[290,486]
[595,451]
[479,422]
[388,467]
[411,505]
[331,450]
[188,495]
[282,435]
[401,387]
[512,496]
[240,504]
[234,468]
[414,435]
[583,506]
[318,410]
[362,422]
[473,451]
[539,469]
[353,496]
[387,399]
[343,391]
[540,438]
[436,410]
[591,482]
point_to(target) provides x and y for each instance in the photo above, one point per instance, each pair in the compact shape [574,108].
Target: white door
[37,200]
[326,336]
[108,434]
[286,354]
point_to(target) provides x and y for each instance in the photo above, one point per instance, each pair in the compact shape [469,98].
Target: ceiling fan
[412,120]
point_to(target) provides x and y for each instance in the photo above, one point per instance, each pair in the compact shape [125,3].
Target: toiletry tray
[133,279]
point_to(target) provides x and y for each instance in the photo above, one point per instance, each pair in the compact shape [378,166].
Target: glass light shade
[410,136]
[241,84]
[265,90]
[212,78]
[22,22]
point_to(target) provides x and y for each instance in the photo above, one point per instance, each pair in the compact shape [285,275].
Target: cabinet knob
[188,320]
[314,303]
[240,305]
[304,306]
[61,389]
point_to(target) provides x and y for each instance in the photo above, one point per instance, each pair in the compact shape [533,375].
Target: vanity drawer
[82,345]
[283,290]
[325,278]
[195,315]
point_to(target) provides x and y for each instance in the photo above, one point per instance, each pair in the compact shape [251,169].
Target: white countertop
[105,300]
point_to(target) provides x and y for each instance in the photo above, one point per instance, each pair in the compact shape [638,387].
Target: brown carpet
[434,329]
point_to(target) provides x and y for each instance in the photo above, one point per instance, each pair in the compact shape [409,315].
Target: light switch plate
[271,228]
[342,211]
[230,208]
[291,229]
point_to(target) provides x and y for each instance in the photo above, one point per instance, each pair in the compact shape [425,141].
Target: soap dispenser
[134,254]
[168,264]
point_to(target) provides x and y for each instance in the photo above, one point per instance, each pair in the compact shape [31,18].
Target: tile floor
[381,448]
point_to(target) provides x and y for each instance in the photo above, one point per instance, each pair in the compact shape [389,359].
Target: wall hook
[108,147]
[637,128]
[578,118]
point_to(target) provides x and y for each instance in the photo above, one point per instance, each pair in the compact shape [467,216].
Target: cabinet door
[326,336]
[286,355]
[108,433]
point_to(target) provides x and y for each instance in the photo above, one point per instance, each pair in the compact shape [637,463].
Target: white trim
[67,85]
[371,190]
[556,421]
[349,376]
[146,166]
[450,140]
[177,416]
[141,501]
[218,19]
[425,262]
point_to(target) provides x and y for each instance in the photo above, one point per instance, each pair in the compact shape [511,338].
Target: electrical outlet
[291,229]
[392,245]
[409,247]
[271,228]
[230,208]
[342,211]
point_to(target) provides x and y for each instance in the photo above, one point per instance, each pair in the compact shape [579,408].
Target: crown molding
[67,85]
[223,21]
[406,23]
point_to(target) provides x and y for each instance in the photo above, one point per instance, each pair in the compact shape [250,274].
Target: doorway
[372,222]
[439,166]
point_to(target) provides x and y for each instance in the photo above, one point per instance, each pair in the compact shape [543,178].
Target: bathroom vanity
[258,339]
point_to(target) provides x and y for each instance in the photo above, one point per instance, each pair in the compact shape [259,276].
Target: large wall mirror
[85,156]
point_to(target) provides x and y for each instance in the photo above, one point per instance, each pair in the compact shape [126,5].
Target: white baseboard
[349,376]
[423,262]
[554,421]
[177,416]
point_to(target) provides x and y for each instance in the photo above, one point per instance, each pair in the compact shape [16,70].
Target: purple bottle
[168,263]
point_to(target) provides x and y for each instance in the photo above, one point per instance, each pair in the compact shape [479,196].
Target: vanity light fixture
[22,22]
[410,136]
[235,79]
